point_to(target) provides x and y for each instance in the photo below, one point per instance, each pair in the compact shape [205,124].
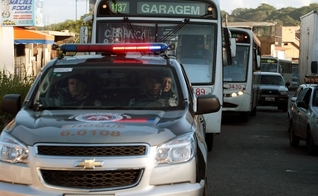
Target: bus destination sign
[268,60]
[167,8]
[191,9]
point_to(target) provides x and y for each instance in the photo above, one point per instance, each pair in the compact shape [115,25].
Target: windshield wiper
[126,19]
[174,30]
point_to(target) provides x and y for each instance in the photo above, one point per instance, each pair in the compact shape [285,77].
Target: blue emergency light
[115,48]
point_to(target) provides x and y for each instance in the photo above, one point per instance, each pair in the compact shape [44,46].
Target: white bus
[240,93]
[182,24]
[282,66]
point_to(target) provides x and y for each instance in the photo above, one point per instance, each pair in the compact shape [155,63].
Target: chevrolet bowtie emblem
[88,164]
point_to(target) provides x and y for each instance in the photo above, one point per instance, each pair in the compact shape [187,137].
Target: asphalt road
[255,158]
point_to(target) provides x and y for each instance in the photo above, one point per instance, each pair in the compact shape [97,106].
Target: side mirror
[287,84]
[293,99]
[258,61]
[11,103]
[207,104]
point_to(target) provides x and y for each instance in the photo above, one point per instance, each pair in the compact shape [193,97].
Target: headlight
[180,149]
[12,150]
[237,94]
[283,92]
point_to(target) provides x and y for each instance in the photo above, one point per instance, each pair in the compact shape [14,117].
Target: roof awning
[25,36]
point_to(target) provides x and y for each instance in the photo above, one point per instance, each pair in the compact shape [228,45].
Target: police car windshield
[108,87]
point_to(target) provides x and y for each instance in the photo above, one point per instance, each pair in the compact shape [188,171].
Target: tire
[244,116]
[293,139]
[209,137]
[283,107]
[310,144]
[253,112]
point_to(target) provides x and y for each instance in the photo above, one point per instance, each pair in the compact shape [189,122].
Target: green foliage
[72,26]
[10,84]
[288,16]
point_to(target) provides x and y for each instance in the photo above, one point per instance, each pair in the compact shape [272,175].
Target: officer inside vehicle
[76,93]
[153,88]
[167,92]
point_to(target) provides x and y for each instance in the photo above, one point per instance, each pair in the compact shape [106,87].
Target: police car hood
[90,127]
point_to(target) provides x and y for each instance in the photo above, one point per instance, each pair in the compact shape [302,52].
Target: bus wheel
[209,137]
[253,112]
[244,116]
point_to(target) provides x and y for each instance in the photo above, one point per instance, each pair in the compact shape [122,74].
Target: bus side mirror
[258,61]
[233,47]
[84,34]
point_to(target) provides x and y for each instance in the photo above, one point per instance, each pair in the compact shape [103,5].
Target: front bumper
[163,179]
[184,189]
[270,100]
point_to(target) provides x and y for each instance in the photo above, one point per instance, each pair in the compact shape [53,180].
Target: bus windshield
[270,64]
[270,67]
[192,43]
[238,70]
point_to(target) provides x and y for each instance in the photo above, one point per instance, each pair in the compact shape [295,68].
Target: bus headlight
[11,150]
[180,149]
[235,94]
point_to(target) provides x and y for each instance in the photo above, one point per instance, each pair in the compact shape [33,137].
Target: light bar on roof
[310,79]
[115,48]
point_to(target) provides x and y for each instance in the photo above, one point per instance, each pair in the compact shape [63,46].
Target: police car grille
[91,150]
[92,179]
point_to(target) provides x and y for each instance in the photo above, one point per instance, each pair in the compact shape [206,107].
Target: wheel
[283,107]
[244,116]
[310,144]
[253,112]
[293,139]
[209,137]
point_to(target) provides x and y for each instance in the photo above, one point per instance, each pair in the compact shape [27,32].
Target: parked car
[294,97]
[303,117]
[117,138]
[272,89]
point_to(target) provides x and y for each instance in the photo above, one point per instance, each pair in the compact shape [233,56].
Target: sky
[56,11]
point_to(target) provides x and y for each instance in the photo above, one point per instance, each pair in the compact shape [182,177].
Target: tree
[288,16]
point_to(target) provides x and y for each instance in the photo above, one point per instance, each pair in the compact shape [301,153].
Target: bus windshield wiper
[126,19]
[174,30]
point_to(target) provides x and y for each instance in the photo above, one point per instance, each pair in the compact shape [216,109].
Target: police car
[97,142]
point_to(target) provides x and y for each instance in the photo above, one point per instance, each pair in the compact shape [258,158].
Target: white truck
[308,53]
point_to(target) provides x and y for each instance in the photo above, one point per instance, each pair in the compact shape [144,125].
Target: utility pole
[75,10]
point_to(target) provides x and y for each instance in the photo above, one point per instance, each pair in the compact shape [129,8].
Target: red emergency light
[115,48]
